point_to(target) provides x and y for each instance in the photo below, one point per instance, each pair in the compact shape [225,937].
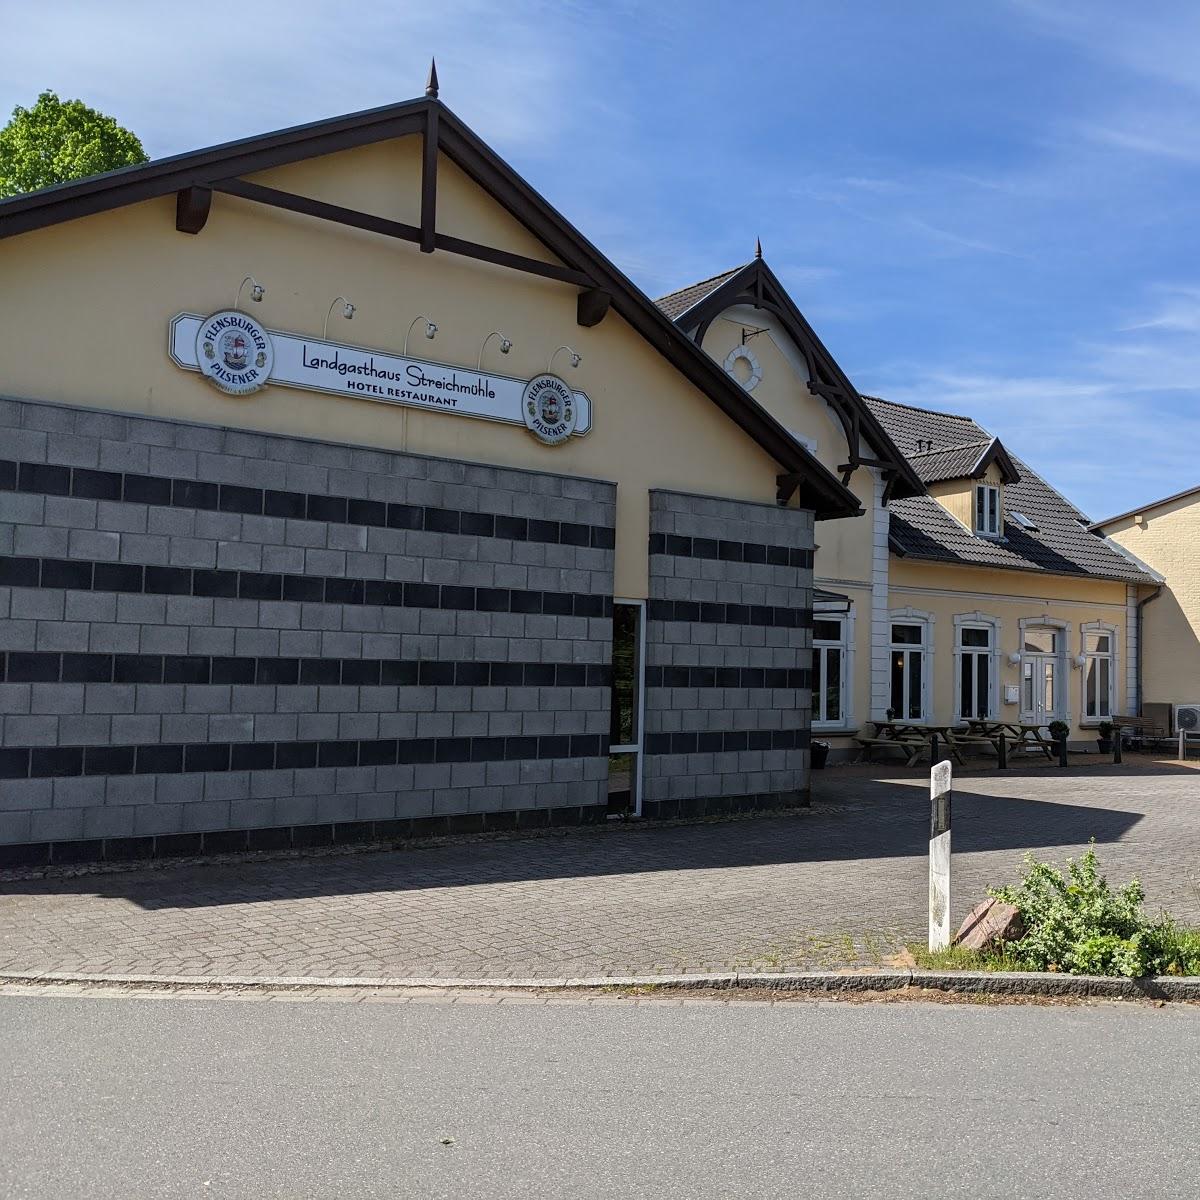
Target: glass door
[628,696]
[1041,683]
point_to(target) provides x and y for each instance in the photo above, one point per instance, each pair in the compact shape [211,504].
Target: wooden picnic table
[913,739]
[1019,733]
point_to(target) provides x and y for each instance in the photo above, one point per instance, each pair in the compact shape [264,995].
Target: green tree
[57,140]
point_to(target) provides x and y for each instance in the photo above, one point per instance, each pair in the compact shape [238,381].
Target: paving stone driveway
[842,883]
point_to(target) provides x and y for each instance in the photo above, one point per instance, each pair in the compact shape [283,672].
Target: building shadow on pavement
[855,817]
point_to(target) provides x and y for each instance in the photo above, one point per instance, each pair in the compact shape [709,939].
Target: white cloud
[1157,41]
[1108,430]
[184,77]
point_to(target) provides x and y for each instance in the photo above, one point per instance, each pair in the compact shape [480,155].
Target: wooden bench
[910,747]
[1141,730]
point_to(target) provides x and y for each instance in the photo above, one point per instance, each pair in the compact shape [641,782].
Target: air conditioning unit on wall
[1187,717]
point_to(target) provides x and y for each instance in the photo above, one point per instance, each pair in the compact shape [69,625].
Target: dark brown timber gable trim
[757,285]
[220,168]
[429,157]
[192,206]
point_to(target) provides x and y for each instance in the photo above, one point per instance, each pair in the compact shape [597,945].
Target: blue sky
[984,207]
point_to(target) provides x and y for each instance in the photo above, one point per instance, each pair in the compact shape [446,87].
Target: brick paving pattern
[842,884]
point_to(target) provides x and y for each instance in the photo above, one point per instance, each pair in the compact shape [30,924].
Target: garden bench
[1141,730]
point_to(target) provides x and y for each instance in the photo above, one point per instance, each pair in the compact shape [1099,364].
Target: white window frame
[987,489]
[978,620]
[1113,657]
[836,611]
[912,616]
[1062,691]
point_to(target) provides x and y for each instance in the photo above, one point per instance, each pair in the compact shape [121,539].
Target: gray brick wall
[728,654]
[317,613]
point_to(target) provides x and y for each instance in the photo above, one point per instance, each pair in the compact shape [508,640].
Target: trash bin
[820,754]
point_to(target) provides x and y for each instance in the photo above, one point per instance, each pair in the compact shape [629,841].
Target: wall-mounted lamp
[576,358]
[1079,662]
[505,345]
[257,291]
[430,330]
[1014,659]
[348,311]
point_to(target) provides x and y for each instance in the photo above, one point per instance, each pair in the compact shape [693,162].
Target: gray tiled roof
[922,528]
[674,304]
[950,462]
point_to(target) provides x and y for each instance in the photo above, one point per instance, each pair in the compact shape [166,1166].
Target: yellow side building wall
[1010,596]
[1169,542]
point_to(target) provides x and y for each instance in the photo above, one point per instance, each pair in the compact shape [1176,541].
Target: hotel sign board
[228,348]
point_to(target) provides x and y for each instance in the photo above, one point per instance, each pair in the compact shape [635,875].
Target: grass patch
[959,958]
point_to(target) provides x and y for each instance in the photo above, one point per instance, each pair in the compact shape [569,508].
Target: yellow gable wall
[946,591]
[1170,543]
[84,308]
[844,545]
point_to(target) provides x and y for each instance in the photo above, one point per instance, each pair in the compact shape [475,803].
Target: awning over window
[830,601]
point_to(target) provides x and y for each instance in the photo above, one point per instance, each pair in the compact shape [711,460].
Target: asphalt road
[123,1097]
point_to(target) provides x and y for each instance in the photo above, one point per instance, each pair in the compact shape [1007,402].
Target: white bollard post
[940,780]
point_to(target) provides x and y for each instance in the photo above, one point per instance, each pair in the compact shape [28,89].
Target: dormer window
[987,510]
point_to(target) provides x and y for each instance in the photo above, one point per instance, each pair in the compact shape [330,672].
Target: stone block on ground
[989,924]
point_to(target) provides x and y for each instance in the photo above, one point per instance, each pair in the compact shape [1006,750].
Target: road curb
[976,983]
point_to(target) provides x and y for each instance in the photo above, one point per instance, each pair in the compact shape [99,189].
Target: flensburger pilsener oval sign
[549,409]
[234,351]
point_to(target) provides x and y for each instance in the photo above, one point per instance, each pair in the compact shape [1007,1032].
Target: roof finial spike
[758,247]
[431,84]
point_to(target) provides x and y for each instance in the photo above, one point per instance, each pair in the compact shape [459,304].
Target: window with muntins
[987,510]
[975,673]
[829,671]
[1098,675]
[908,671]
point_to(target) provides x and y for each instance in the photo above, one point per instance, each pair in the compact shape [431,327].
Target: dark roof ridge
[950,449]
[935,412]
[687,287]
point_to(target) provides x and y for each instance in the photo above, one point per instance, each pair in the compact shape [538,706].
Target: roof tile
[675,304]
[921,528]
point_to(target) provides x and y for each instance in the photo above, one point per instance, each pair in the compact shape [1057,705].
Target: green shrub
[1078,924]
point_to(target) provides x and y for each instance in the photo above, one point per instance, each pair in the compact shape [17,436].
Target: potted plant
[820,754]
[1104,732]
[1059,730]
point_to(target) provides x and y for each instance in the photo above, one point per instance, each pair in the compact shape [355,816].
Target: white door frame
[1060,660]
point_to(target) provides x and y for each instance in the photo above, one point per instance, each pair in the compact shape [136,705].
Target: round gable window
[742,364]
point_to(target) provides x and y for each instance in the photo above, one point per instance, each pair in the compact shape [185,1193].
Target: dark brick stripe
[692,807]
[84,483]
[727,741]
[86,575]
[747,552]
[52,667]
[728,677]
[282,837]
[61,762]
[693,611]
